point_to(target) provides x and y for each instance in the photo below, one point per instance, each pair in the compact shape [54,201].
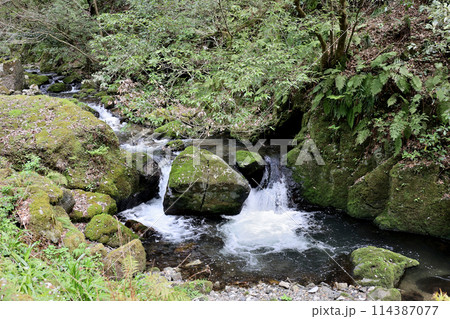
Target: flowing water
[272,238]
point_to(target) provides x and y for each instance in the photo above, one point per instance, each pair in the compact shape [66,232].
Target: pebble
[284,284]
[313,290]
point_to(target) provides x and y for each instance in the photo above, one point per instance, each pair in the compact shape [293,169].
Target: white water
[107,116]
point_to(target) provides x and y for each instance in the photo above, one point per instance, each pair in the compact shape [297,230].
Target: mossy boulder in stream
[251,165]
[201,183]
[69,141]
[58,87]
[131,257]
[88,205]
[107,230]
[37,79]
[379,267]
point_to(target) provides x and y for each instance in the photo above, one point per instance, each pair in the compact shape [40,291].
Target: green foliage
[101,151]
[33,164]
[286,298]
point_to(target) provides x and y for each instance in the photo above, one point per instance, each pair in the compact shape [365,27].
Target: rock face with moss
[251,165]
[130,257]
[12,75]
[201,183]
[36,79]
[88,205]
[379,267]
[377,185]
[107,230]
[69,141]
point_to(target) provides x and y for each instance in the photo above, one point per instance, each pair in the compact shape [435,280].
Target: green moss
[202,183]
[88,205]
[57,87]
[418,200]
[173,130]
[73,239]
[61,133]
[177,145]
[246,158]
[368,197]
[379,267]
[107,230]
[37,79]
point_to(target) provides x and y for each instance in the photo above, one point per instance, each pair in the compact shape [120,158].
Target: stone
[341,285]
[71,142]
[173,130]
[36,79]
[73,239]
[284,284]
[194,263]
[171,274]
[251,165]
[58,87]
[130,256]
[313,290]
[33,90]
[142,230]
[379,267]
[12,76]
[87,205]
[384,294]
[109,231]
[201,183]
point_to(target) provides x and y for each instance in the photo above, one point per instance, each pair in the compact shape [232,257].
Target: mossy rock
[326,163]
[73,239]
[71,79]
[57,178]
[108,101]
[176,145]
[58,87]
[379,267]
[368,197]
[251,165]
[37,79]
[69,141]
[419,200]
[384,294]
[129,256]
[201,183]
[109,231]
[173,130]
[88,205]
[97,249]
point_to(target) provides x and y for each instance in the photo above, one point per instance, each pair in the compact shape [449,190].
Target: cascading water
[270,238]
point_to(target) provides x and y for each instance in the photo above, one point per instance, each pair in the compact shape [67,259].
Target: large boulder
[419,200]
[40,211]
[130,257]
[201,183]
[69,141]
[379,267]
[109,231]
[12,75]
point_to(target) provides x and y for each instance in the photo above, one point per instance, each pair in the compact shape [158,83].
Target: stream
[272,238]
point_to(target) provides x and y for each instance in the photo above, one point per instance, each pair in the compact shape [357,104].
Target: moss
[73,239]
[37,79]
[107,230]
[118,260]
[209,186]
[379,267]
[368,197]
[418,200]
[61,133]
[71,78]
[246,158]
[57,178]
[108,101]
[251,165]
[173,130]
[97,249]
[177,145]
[88,205]
[57,87]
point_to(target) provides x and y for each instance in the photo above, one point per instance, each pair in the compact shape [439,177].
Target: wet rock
[251,165]
[58,87]
[142,230]
[379,267]
[202,183]
[12,75]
